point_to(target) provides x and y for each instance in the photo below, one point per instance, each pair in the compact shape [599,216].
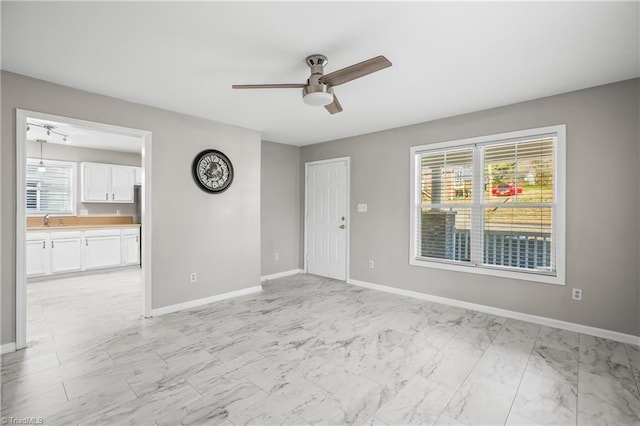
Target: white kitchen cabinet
[131,246]
[122,184]
[102,249]
[59,251]
[38,254]
[137,176]
[66,251]
[106,183]
[96,182]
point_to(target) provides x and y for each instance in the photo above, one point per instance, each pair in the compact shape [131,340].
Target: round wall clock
[212,170]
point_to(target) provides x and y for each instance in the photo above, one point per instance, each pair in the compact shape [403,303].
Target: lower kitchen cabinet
[102,249]
[56,252]
[38,254]
[130,246]
[66,252]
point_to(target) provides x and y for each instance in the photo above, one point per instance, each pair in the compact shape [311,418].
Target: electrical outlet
[84,212]
[576,294]
[371,264]
[118,212]
[276,257]
[193,277]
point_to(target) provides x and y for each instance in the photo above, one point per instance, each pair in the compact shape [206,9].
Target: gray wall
[217,236]
[602,207]
[76,154]
[280,207]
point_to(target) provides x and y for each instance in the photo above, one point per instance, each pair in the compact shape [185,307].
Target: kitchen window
[50,187]
[491,205]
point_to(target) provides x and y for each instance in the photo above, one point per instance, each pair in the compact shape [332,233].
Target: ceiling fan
[318,90]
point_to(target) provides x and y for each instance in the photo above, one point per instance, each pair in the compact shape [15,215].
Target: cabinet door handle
[106,196]
[52,245]
[136,238]
[44,244]
[86,242]
[113,196]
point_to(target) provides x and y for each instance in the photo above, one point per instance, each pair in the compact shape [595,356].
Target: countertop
[76,227]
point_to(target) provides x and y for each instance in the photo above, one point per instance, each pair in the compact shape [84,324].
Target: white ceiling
[81,137]
[448,58]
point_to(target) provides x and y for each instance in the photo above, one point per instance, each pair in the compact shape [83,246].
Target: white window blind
[518,205]
[446,187]
[490,204]
[50,187]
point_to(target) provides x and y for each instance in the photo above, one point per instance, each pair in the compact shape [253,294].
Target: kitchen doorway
[84,238]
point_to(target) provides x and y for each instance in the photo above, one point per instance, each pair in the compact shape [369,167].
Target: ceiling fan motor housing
[316,93]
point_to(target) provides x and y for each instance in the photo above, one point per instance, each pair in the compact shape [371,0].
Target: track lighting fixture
[50,130]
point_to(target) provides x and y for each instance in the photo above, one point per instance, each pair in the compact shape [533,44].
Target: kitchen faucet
[46,219]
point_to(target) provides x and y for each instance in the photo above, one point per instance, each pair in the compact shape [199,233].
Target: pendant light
[41,167]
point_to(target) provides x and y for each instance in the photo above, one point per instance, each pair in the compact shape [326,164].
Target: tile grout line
[631,367]
[523,373]
[470,371]
[66,394]
[580,337]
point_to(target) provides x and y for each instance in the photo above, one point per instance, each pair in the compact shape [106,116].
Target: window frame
[559,201]
[73,187]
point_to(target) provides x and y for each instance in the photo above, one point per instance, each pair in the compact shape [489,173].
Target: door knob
[342,226]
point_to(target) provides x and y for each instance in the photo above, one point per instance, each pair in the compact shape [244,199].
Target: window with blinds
[492,205]
[50,187]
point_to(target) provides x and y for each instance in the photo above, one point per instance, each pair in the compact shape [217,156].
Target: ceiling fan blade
[334,107]
[355,71]
[268,86]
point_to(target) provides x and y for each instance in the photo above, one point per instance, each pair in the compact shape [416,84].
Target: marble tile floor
[309,350]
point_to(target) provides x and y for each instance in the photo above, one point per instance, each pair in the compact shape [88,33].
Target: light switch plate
[362,208]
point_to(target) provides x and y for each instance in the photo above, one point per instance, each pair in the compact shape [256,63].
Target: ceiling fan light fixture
[318,98]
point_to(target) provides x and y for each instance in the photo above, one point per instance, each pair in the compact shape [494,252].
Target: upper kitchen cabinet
[107,183]
[122,184]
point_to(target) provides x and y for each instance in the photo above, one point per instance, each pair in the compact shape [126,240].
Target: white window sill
[495,272]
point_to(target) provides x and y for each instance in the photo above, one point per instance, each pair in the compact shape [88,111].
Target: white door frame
[347,160]
[21,231]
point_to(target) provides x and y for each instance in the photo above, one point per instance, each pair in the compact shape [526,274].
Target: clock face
[212,170]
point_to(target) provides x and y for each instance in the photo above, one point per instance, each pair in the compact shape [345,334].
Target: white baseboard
[550,322]
[204,301]
[7,348]
[281,274]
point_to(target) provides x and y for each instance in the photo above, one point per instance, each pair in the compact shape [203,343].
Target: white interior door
[326,218]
